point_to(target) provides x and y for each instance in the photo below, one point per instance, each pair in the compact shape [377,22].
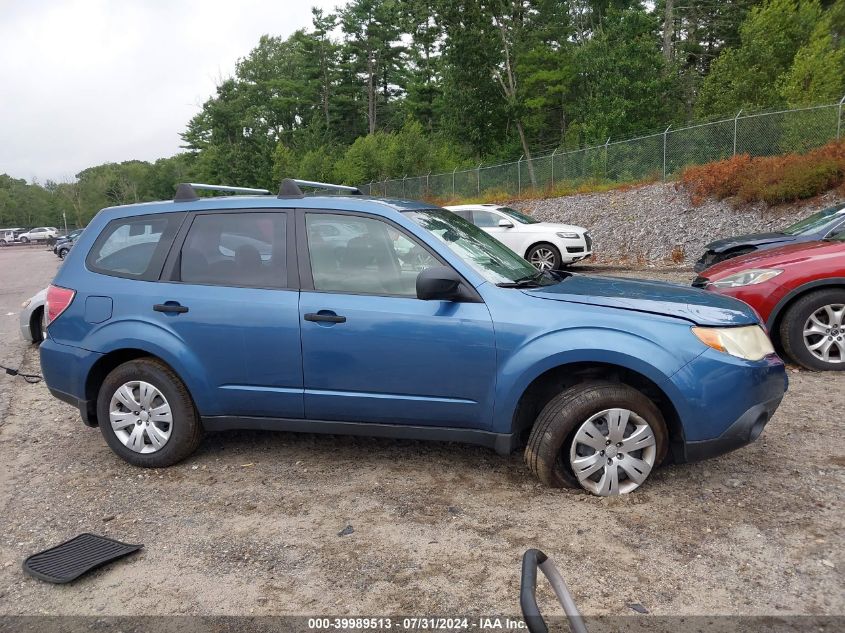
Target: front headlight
[749,342]
[747,278]
[569,235]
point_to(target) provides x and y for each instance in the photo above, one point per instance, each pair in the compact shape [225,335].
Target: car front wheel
[604,437]
[62,252]
[813,330]
[544,257]
[24,240]
[146,414]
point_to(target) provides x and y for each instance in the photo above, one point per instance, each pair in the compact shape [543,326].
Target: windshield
[492,259]
[814,222]
[519,217]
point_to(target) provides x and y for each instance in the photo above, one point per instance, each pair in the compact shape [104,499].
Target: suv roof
[187,200]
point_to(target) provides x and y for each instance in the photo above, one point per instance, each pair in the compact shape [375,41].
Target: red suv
[799,291]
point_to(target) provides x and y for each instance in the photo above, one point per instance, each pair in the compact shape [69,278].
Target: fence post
[605,157]
[427,187]
[370,189]
[478,178]
[453,181]
[403,185]
[665,134]
[519,175]
[385,187]
[736,118]
[839,118]
[553,166]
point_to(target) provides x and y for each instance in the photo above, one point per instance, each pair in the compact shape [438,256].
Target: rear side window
[134,247]
[236,249]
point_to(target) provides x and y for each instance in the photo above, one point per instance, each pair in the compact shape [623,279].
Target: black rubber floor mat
[73,558]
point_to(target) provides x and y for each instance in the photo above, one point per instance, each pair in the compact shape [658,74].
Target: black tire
[36,325]
[186,432]
[62,252]
[792,330]
[533,251]
[24,240]
[547,452]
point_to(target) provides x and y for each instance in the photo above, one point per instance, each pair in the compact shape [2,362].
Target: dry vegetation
[770,179]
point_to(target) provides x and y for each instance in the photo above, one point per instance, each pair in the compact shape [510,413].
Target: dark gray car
[825,223]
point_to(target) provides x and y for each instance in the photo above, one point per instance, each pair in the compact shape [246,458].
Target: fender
[152,338]
[811,285]
[578,345]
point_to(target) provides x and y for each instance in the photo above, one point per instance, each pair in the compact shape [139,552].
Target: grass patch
[498,195]
[769,179]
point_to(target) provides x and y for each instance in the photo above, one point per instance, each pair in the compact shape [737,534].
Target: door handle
[324,317]
[170,306]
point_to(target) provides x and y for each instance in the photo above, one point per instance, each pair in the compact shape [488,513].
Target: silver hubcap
[140,417]
[613,452]
[824,333]
[543,259]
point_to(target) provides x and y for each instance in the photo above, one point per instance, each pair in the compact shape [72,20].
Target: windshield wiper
[531,281]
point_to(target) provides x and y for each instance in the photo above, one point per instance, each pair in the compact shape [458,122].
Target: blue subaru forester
[353,315]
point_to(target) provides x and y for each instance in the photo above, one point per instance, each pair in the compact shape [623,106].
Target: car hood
[674,300]
[551,227]
[789,255]
[753,239]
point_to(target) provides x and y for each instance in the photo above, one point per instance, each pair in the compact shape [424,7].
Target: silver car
[32,317]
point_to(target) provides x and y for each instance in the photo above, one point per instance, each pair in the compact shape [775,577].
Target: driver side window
[485,219]
[358,255]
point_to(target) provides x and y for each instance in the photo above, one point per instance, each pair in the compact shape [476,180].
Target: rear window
[236,249]
[134,247]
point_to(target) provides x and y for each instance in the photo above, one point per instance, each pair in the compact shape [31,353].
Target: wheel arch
[551,382]
[540,243]
[113,359]
[788,300]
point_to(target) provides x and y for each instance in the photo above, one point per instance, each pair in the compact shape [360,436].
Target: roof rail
[290,188]
[186,191]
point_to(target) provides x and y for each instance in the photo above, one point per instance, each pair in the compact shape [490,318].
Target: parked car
[799,291]
[9,236]
[547,245]
[39,234]
[157,341]
[31,318]
[826,223]
[65,243]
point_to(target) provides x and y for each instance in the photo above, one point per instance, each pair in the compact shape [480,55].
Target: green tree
[817,74]
[747,76]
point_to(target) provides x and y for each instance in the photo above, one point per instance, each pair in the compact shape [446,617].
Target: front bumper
[725,403]
[575,249]
[743,431]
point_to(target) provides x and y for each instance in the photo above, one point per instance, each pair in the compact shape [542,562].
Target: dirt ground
[275,523]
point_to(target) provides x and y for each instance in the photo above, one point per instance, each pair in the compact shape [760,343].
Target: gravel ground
[645,225]
[263,523]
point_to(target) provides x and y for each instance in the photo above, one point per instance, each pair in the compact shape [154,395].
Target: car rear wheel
[604,437]
[813,330]
[62,252]
[544,257]
[146,414]
[24,240]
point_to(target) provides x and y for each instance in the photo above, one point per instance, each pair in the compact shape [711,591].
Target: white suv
[547,245]
[39,234]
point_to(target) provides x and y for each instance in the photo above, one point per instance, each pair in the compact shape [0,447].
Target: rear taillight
[58,300]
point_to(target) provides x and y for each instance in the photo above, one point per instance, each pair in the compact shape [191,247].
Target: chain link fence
[661,155]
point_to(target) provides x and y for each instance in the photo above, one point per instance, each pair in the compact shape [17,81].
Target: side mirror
[438,283]
[505,224]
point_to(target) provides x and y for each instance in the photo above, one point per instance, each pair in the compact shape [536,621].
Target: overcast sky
[84,82]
